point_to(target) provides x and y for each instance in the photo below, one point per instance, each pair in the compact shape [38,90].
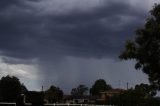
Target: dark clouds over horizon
[59,36]
[77,33]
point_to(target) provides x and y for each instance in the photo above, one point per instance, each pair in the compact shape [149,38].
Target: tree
[35,97]
[24,90]
[145,49]
[146,90]
[130,97]
[141,94]
[79,91]
[99,86]
[54,94]
[10,88]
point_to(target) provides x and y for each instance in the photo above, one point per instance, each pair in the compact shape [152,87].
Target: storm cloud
[59,36]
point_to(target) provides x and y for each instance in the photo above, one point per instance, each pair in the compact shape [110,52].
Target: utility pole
[42,88]
[119,83]
[127,85]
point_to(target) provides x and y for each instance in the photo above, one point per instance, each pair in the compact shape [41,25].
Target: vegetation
[145,90]
[79,91]
[145,49]
[36,98]
[99,86]
[10,88]
[141,95]
[54,94]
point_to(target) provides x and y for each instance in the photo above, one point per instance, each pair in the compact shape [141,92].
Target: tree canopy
[141,94]
[79,91]
[99,86]
[10,88]
[35,97]
[145,48]
[146,90]
[54,94]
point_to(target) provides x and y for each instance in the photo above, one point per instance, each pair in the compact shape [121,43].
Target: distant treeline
[143,94]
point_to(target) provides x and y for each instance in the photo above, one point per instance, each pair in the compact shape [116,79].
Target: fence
[12,104]
[7,104]
[29,104]
[75,105]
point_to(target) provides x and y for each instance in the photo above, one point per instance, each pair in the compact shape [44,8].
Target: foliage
[10,88]
[127,98]
[146,90]
[34,97]
[24,90]
[99,86]
[145,49]
[141,94]
[54,94]
[79,91]
[132,98]
[153,101]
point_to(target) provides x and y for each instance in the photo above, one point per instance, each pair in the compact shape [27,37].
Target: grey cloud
[7,3]
[27,34]
[78,34]
[73,71]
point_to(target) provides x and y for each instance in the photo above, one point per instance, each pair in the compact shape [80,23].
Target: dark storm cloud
[7,3]
[98,33]
[61,42]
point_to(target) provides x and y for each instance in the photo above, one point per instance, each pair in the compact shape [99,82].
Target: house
[110,93]
[84,99]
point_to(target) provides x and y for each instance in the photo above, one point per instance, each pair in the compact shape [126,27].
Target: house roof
[114,91]
[77,97]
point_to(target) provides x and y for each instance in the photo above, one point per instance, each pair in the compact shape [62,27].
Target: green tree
[54,94]
[99,86]
[79,91]
[10,88]
[145,90]
[35,97]
[24,90]
[141,94]
[130,97]
[145,49]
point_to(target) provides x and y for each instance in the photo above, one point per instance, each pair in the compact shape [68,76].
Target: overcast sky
[70,42]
